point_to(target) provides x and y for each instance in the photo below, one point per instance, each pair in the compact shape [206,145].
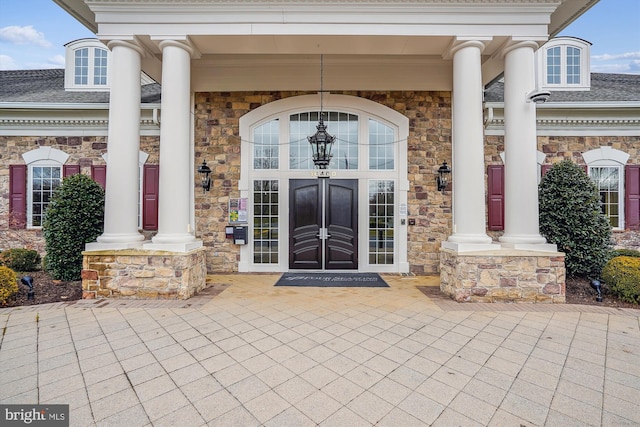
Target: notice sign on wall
[238,210]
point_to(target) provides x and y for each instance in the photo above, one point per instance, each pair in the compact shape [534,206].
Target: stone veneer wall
[503,276]
[217,141]
[132,273]
[84,151]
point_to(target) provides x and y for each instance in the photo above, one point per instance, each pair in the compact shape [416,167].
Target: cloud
[634,67]
[609,57]
[57,61]
[7,63]
[23,35]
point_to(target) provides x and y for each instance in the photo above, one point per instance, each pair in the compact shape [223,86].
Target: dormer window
[563,64]
[87,66]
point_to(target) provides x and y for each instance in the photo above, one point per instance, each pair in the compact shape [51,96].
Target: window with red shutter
[632,197]
[150,189]
[495,198]
[17,196]
[99,174]
[68,170]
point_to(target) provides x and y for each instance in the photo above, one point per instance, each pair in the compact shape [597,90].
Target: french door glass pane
[381,221]
[265,222]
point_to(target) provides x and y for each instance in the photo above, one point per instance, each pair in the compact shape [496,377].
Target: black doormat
[333,280]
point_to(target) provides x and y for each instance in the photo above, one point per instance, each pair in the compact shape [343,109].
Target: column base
[103,246]
[470,238]
[173,247]
[178,242]
[528,239]
[536,247]
[120,238]
[469,247]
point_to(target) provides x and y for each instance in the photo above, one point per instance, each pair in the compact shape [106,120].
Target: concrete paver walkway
[282,356]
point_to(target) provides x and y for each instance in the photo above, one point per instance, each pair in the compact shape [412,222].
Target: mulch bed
[579,291]
[47,290]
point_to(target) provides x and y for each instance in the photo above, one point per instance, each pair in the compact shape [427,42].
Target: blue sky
[33,34]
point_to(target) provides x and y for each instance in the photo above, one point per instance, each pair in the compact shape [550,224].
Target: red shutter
[150,189]
[99,174]
[17,196]
[545,169]
[632,197]
[68,170]
[495,204]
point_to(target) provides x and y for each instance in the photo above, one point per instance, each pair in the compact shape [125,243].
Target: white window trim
[69,75]
[610,157]
[42,156]
[364,109]
[563,43]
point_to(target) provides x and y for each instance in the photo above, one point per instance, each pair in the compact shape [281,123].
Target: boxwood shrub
[20,259]
[624,252]
[622,275]
[75,216]
[570,217]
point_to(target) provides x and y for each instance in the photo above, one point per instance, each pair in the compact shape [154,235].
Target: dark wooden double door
[323,224]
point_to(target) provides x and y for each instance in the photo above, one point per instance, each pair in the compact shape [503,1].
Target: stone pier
[137,273]
[504,275]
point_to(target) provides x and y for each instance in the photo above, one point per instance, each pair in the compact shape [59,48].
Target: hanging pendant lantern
[321,142]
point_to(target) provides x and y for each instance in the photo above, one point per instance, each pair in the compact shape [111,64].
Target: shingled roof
[604,88]
[47,86]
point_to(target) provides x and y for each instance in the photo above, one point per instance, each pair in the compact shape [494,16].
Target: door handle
[323,234]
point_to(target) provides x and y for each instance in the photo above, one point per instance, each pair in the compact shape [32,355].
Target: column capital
[512,45]
[464,42]
[131,43]
[182,43]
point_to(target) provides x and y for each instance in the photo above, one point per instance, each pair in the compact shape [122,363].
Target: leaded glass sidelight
[265,221]
[381,221]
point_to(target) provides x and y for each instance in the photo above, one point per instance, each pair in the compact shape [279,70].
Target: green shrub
[8,283]
[622,274]
[570,217]
[624,252]
[74,217]
[20,259]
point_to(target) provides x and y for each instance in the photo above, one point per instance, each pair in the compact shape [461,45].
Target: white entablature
[401,45]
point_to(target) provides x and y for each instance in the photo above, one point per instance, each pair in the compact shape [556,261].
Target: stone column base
[504,275]
[143,274]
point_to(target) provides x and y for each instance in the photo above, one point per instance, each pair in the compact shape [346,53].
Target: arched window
[44,175]
[87,65]
[606,169]
[563,64]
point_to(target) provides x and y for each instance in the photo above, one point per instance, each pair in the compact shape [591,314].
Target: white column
[469,222]
[175,232]
[121,196]
[522,226]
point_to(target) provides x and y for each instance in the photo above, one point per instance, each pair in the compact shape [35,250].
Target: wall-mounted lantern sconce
[443,176]
[205,175]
